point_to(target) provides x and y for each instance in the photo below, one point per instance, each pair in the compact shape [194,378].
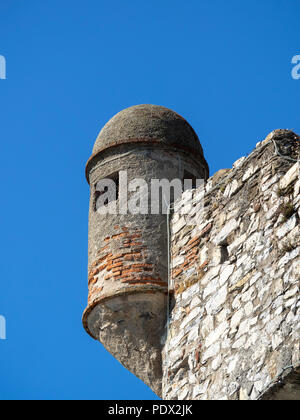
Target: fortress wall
[235,268]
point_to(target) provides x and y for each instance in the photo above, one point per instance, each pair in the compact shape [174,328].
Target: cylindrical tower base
[130,326]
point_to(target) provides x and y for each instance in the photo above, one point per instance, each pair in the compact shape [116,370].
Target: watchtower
[128,253]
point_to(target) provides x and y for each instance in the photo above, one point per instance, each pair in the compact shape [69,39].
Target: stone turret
[128,253]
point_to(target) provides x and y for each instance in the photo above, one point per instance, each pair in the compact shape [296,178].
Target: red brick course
[126,267]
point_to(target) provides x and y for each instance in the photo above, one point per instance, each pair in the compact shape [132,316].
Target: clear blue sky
[71,65]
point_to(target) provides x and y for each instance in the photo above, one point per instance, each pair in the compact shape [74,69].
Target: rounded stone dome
[148,123]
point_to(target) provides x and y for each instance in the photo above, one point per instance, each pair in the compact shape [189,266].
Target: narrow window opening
[104,187]
[224,256]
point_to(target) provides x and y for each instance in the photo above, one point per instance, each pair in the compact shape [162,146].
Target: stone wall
[234,327]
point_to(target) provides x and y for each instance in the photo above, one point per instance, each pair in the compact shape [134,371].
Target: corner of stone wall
[235,269]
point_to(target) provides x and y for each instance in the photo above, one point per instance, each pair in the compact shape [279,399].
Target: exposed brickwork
[122,259]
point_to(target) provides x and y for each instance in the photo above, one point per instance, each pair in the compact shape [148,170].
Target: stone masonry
[128,263]
[234,329]
[200,304]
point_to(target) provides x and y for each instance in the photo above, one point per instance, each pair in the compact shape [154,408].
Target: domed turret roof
[143,123]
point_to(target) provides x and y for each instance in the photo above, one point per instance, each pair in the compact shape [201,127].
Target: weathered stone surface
[248,273]
[225,232]
[128,255]
[232,330]
[291,176]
